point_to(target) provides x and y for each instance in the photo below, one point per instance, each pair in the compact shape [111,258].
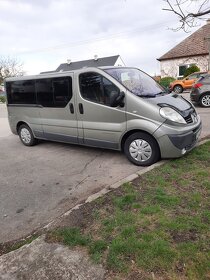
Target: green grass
[71,237]
[160,223]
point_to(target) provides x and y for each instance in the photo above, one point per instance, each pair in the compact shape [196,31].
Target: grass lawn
[156,227]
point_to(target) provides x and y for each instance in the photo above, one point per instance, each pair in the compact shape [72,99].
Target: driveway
[38,184]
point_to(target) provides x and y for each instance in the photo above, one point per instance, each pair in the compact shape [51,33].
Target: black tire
[205,100]
[26,135]
[178,89]
[141,149]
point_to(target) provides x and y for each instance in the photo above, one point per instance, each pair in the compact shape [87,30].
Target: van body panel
[58,121]
[142,115]
[27,114]
[180,103]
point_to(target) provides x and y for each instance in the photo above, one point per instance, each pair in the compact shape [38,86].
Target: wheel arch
[21,123]
[130,132]
[180,85]
[204,93]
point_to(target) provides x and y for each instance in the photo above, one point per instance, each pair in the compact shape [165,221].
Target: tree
[188,11]
[10,67]
[191,69]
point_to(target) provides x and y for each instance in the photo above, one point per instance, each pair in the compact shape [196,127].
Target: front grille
[188,119]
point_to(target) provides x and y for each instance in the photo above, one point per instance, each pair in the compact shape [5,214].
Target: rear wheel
[26,135]
[205,100]
[178,89]
[141,149]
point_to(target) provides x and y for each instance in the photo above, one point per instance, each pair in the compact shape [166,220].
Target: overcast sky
[45,33]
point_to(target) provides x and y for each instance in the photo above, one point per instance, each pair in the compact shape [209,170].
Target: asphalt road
[38,184]
[204,114]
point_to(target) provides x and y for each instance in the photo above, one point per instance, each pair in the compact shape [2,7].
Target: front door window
[96,88]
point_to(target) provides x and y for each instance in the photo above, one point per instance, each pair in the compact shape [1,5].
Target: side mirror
[116,99]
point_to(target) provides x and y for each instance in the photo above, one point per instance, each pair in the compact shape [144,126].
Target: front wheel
[205,100]
[141,149]
[26,135]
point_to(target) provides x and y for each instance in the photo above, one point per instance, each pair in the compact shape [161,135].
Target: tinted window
[193,76]
[44,92]
[56,92]
[21,92]
[96,88]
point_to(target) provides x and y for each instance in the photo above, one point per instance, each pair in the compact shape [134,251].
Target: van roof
[61,74]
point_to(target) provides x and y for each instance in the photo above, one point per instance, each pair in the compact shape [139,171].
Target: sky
[42,34]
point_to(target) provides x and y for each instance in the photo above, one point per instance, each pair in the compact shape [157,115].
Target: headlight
[172,115]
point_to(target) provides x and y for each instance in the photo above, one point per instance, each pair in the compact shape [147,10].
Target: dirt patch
[179,237]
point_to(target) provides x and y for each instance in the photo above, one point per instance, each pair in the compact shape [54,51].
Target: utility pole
[208,43]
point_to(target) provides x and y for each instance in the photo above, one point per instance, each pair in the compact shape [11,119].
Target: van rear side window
[50,92]
[21,92]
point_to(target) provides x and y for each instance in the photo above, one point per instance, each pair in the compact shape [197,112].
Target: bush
[2,99]
[166,81]
[191,70]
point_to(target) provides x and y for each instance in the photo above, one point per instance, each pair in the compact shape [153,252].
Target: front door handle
[71,107]
[81,110]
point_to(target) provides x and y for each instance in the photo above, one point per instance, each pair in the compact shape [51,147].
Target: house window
[182,69]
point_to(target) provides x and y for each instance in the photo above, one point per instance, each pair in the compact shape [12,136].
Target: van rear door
[57,112]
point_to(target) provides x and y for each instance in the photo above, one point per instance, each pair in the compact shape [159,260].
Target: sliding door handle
[71,107]
[81,110]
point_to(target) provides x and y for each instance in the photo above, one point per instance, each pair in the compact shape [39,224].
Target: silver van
[117,108]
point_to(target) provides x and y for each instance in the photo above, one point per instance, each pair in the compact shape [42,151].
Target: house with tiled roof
[115,60]
[193,50]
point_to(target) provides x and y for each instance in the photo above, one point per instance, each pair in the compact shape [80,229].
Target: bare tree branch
[187,19]
[10,67]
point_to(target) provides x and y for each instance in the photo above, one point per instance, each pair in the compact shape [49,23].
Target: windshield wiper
[162,93]
[146,95]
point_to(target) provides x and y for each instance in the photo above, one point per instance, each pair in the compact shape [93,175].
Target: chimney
[68,61]
[95,57]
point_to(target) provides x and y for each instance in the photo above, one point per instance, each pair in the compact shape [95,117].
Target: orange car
[179,85]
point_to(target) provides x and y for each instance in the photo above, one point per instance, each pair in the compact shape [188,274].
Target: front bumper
[187,140]
[175,145]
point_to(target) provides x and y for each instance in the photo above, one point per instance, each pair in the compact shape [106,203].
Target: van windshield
[136,81]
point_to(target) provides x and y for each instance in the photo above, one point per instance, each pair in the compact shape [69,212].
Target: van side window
[21,92]
[62,89]
[44,92]
[54,92]
[96,88]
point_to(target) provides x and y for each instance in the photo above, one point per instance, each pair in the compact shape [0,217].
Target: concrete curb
[116,185]
[108,189]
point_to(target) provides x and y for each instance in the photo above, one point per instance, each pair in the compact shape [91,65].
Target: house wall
[119,62]
[171,67]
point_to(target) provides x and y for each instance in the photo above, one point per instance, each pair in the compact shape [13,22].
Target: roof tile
[193,45]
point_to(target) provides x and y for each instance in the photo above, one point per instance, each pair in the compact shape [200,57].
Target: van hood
[172,100]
